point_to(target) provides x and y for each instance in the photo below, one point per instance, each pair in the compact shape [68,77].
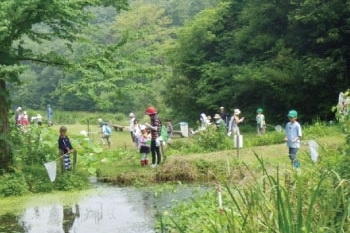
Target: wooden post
[237,144]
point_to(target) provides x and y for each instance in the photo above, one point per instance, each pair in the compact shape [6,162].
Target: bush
[13,184]
[71,181]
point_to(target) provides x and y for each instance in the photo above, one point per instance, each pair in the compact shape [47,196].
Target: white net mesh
[51,170]
[313,148]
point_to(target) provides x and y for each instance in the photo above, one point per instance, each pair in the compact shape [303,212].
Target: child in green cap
[293,136]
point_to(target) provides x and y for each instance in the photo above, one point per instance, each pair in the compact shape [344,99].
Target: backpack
[108,129]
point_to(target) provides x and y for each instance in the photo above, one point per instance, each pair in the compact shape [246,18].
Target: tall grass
[284,201]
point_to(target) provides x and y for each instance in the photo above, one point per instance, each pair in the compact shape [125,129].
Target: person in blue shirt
[293,136]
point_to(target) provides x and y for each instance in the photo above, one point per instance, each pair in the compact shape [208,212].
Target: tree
[62,19]
[257,53]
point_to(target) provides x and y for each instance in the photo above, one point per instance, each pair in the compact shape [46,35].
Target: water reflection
[110,209]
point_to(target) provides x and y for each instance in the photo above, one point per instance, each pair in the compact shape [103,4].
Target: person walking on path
[260,122]
[234,121]
[144,145]
[292,137]
[106,133]
[155,128]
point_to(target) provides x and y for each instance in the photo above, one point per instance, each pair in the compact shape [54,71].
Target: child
[136,132]
[169,128]
[144,140]
[66,148]
[106,133]
[293,136]
[260,122]
[100,123]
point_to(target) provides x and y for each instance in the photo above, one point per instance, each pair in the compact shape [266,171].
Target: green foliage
[212,139]
[13,184]
[37,179]
[71,181]
[34,144]
[339,163]
[283,201]
[266,60]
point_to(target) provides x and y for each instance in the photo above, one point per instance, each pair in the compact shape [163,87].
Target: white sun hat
[236,111]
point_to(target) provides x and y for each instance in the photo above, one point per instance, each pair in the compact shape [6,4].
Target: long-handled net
[278,128]
[51,168]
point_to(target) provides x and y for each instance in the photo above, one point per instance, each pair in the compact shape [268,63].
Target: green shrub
[286,201]
[13,184]
[71,181]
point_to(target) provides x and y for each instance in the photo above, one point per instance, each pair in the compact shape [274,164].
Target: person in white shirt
[131,126]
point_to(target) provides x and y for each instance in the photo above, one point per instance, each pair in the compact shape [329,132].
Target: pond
[106,209]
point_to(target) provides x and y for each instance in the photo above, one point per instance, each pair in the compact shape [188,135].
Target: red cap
[151,111]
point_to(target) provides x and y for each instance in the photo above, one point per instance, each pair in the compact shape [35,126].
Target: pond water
[107,209]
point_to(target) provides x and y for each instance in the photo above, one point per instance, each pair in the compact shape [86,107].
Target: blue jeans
[293,153]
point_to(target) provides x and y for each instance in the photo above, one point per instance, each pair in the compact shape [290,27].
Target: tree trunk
[5,149]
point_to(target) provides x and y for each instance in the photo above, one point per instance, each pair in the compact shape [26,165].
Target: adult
[131,126]
[224,115]
[233,124]
[155,128]
[219,122]
[49,114]
[18,113]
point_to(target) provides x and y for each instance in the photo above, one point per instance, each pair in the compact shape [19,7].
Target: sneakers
[153,165]
[296,164]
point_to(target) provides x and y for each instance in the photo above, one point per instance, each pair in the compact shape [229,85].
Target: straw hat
[217,116]
[236,111]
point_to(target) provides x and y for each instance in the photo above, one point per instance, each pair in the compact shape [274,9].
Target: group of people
[148,137]
[223,120]
[22,117]
[231,122]
[293,131]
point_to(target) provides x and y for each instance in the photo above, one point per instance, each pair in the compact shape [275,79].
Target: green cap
[292,114]
[259,110]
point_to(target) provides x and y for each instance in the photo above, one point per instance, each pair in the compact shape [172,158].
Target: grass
[206,166]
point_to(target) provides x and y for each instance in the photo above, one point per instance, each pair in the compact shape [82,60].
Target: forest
[184,57]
